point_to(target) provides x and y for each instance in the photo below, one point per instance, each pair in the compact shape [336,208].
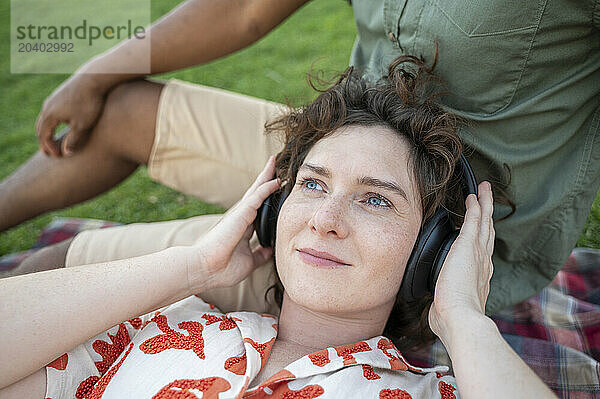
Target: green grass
[274,68]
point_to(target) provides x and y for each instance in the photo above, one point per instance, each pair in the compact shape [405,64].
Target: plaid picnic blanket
[556,332]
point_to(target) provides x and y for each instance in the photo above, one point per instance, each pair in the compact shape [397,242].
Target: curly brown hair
[403,101]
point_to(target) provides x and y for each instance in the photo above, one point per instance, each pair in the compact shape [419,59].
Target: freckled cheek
[292,219]
[296,212]
[386,250]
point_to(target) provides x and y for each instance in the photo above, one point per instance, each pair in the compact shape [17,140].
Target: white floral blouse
[191,350]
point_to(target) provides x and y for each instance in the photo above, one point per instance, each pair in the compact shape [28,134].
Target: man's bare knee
[47,258]
[128,122]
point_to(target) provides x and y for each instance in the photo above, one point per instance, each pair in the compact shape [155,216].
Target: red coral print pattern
[236,364]
[308,392]
[180,389]
[101,385]
[396,363]
[172,339]
[446,390]
[262,349]
[226,322]
[136,323]
[59,363]
[110,352]
[394,394]
[320,358]
[86,386]
[369,373]
[346,351]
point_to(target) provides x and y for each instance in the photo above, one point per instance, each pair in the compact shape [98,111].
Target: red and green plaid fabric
[556,332]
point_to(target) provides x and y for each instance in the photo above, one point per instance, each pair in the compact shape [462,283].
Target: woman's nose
[330,218]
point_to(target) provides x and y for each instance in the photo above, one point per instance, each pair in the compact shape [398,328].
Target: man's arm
[195,32]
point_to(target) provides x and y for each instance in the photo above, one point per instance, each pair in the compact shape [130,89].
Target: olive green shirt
[526,76]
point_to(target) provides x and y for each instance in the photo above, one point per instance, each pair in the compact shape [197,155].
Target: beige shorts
[209,143]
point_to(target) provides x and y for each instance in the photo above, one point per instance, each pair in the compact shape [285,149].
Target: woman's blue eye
[311,185]
[377,202]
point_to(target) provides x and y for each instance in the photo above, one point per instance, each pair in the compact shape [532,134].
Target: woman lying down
[365,169]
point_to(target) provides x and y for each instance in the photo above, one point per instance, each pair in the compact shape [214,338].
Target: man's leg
[208,143]
[47,258]
[121,140]
[103,245]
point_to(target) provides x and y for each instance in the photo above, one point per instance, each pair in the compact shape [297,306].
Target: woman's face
[346,230]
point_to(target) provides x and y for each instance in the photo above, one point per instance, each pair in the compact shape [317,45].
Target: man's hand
[77,102]
[195,32]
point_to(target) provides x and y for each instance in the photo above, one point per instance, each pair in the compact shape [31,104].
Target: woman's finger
[470,227]
[247,207]
[491,242]
[256,199]
[265,175]
[487,208]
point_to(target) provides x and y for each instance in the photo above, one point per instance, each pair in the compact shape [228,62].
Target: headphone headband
[468,177]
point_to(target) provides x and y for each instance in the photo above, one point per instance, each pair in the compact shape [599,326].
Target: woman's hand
[464,281]
[484,365]
[224,256]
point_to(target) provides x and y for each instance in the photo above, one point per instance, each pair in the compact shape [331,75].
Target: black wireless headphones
[433,243]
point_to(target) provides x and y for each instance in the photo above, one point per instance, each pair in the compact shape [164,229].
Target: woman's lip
[319,258]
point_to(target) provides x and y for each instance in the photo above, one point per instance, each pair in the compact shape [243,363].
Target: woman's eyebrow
[320,170]
[364,181]
[389,185]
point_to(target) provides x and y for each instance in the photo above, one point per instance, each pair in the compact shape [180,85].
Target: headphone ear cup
[433,244]
[420,268]
[439,260]
[265,223]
